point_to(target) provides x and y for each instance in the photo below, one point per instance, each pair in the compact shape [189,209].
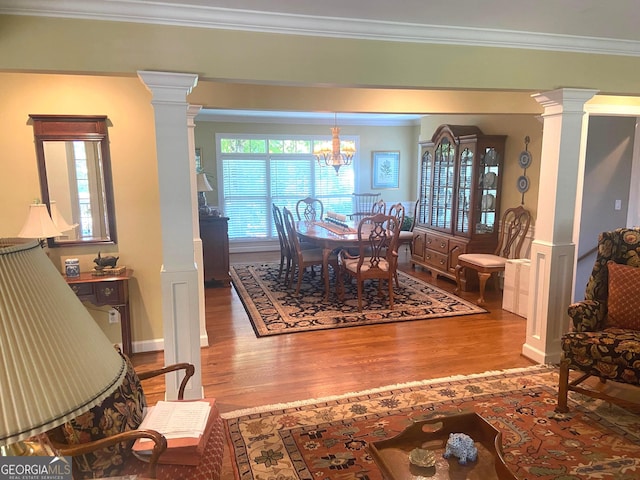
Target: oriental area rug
[327,439]
[275,309]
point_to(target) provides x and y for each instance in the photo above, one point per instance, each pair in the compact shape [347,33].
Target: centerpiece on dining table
[337,219]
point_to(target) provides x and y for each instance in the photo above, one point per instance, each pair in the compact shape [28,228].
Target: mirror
[74,165]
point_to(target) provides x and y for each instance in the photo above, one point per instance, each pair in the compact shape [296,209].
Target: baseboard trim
[157,344]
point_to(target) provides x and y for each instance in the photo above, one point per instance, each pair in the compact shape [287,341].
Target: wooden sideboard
[215,249]
[112,291]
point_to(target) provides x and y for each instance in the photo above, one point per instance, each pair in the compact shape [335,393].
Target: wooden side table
[109,290]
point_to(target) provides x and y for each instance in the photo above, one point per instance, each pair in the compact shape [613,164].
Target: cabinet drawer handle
[428,240]
[108,291]
[442,262]
[443,244]
[75,289]
[427,256]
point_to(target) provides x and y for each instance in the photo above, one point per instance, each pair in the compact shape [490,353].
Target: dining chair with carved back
[514,227]
[310,209]
[406,236]
[302,258]
[285,249]
[397,210]
[379,207]
[377,255]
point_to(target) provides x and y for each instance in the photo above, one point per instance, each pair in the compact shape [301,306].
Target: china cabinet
[460,178]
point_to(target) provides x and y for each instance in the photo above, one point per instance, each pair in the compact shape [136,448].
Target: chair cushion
[486,260]
[613,353]
[623,306]
[405,236]
[352,264]
[120,412]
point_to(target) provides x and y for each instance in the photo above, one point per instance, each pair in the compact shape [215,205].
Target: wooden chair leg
[281,266]
[483,283]
[563,386]
[459,269]
[287,272]
[300,275]
[390,283]
[294,267]
[359,295]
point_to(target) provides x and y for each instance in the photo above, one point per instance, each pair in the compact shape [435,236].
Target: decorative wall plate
[523,183]
[525,159]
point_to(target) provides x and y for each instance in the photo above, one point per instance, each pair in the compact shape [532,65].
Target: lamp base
[27,448]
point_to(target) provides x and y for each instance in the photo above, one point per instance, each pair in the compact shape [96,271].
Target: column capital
[192,111]
[168,87]
[564,100]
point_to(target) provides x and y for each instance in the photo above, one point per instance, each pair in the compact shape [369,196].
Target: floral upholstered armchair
[605,340]
[100,440]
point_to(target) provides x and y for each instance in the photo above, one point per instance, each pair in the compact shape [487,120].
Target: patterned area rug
[326,439]
[274,309]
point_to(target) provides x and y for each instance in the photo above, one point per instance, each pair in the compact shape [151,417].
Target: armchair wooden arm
[159,441]
[188,368]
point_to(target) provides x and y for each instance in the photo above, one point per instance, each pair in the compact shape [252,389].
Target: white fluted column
[192,111]
[179,275]
[553,250]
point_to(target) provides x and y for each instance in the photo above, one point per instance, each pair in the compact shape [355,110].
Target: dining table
[328,236]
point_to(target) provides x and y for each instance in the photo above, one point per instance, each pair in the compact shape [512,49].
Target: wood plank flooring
[243,371]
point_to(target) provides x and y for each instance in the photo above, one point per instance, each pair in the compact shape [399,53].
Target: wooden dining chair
[379,207]
[310,209]
[397,210]
[363,202]
[285,250]
[377,258]
[302,258]
[515,225]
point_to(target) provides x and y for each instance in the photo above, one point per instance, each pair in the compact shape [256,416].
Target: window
[257,171]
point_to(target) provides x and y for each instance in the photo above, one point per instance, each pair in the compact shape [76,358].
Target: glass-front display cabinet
[459,192]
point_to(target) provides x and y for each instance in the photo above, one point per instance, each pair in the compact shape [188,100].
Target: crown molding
[136,11]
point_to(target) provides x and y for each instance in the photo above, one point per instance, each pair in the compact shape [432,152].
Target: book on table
[185,424]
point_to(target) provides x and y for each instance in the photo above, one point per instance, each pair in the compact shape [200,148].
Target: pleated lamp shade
[55,362]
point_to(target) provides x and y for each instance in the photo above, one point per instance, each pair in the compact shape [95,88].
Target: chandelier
[335,153]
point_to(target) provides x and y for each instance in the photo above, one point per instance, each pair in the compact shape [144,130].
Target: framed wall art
[385,169]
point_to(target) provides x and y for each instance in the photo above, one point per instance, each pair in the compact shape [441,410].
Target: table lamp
[39,223]
[55,362]
[203,185]
[58,220]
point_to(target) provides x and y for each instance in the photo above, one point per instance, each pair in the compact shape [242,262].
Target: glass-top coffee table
[392,455]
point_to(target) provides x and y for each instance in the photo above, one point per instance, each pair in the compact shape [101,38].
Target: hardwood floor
[243,371]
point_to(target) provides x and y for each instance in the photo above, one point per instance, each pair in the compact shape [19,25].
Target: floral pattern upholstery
[120,412]
[592,347]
